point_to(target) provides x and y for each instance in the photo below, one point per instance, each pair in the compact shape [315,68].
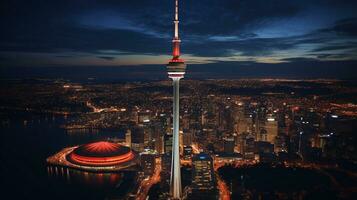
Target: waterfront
[27,139]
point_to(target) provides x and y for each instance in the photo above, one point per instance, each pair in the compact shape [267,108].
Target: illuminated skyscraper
[203,178]
[176,70]
[148,163]
[202,172]
[228,145]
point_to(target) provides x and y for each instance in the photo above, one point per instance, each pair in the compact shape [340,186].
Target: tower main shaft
[175,182]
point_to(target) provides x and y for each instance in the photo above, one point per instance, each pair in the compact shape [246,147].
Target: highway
[147,183]
[224,193]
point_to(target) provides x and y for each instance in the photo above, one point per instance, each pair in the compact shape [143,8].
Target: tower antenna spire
[176,40]
[176,21]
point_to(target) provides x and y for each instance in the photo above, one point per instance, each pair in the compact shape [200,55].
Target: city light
[178,100]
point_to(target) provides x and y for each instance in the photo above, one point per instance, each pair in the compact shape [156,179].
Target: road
[147,183]
[224,193]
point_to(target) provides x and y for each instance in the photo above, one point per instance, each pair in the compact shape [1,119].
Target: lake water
[27,139]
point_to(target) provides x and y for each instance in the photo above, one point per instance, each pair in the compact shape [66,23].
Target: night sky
[220,38]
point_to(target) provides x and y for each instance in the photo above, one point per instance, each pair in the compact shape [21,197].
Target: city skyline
[250,131]
[93,106]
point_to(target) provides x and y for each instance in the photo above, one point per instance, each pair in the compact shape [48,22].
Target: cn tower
[176,70]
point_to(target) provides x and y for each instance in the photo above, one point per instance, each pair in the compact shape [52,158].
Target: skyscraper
[176,70]
[228,145]
[203,178]
[137,138]
[148,163]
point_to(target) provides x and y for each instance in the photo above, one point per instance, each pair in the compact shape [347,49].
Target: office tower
[144,116]
[203,177]
[137,139]
[128,138]
[271,126]
[147,162]
[228,145]
[187,152]
[246,145]
[168,144]
[187,138]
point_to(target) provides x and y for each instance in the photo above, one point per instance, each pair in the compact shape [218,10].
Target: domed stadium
[101,154]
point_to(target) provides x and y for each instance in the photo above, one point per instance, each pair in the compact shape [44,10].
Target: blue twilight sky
[218,36]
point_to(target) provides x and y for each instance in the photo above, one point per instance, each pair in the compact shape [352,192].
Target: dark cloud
[299,69]
[332,47]
[300,60]
[345,26]
[248,47]
[84,40]
[210,28]
[213,17]
[106,57]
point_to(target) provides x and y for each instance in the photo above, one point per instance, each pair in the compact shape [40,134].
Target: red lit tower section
[176,66]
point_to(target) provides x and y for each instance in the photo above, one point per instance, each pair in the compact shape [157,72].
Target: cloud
[347,27]
[120,32]
[338,46]
[299,69]
[106,57]
[107,19]
[300,59]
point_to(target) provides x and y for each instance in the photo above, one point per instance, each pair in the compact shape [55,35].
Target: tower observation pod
[176,67]
[176,70]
